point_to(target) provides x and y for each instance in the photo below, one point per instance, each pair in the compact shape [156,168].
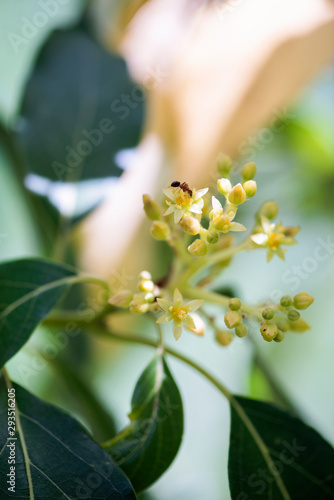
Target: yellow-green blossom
[178,312]
[182,203]
[273,236]
[223,221]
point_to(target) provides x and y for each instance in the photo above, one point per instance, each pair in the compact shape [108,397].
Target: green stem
[232,400]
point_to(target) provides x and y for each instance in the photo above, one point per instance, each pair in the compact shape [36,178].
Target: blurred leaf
[29,289]
[88,405]
[55,457]
[146,448]
[80,108]
[303,460]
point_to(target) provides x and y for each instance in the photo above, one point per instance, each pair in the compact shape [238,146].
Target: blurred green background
[295,160]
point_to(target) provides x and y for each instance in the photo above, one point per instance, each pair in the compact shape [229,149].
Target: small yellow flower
[183,203]
[273,236]
[223,221]
[178,312]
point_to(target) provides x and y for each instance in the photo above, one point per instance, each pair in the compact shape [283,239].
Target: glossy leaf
[54,456]
[29,289]
[147,447]
[302,462]
[80,108]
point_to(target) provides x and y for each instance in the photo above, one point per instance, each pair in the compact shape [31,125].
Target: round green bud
[293,315]
[190,225]
[302,300]
[145,275]
[232,319]
[224,186]
[122,298]
[241,330]
[146,286]
[224,164]
[198,247]
[160,230]
[250,188]
[268,313]
[248,171]
[237,195]
[269,209]
[151,208]
[234,304]
[139,305]
[223,337]
[282,324]
[269,331]
[212,238]
[279,337]
[150,297]
[286,301]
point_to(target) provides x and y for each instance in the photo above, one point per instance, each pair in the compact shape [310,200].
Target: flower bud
[224,164]
[279,337]
[223,337]
[212,238]
[269,331]
[146,286]
[267,313]
[282,324]
[302,300]
[145,275]
[291,231]
[160,230]
[241,330]
[138,305]
[293,315]
[286,301]
[248,171]
[250,188]
[151,208]
[149,297]
[198,247]
[299,326]
[234,304]
[232,319]
[237,195]
[222,223]
[190,225]
[224,186]
[122,298]
[269,209]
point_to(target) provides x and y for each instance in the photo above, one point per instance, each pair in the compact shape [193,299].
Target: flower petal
[177,330]
[196,209]
[260,238]
[216,205]
[170,210]
[178,214]
[236,226]
[165,304]
[169,193]
[200,193]
[193,305]
[165,318]
[189,323]
[199,325]
[178,299]
[270,254]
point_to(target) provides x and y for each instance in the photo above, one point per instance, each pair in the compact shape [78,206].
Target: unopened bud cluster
[234,319]
[140,302]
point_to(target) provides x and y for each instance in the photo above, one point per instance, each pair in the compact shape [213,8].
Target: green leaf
[79,109]
[146,448]
[54,456]
[275,456]
[29,289]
